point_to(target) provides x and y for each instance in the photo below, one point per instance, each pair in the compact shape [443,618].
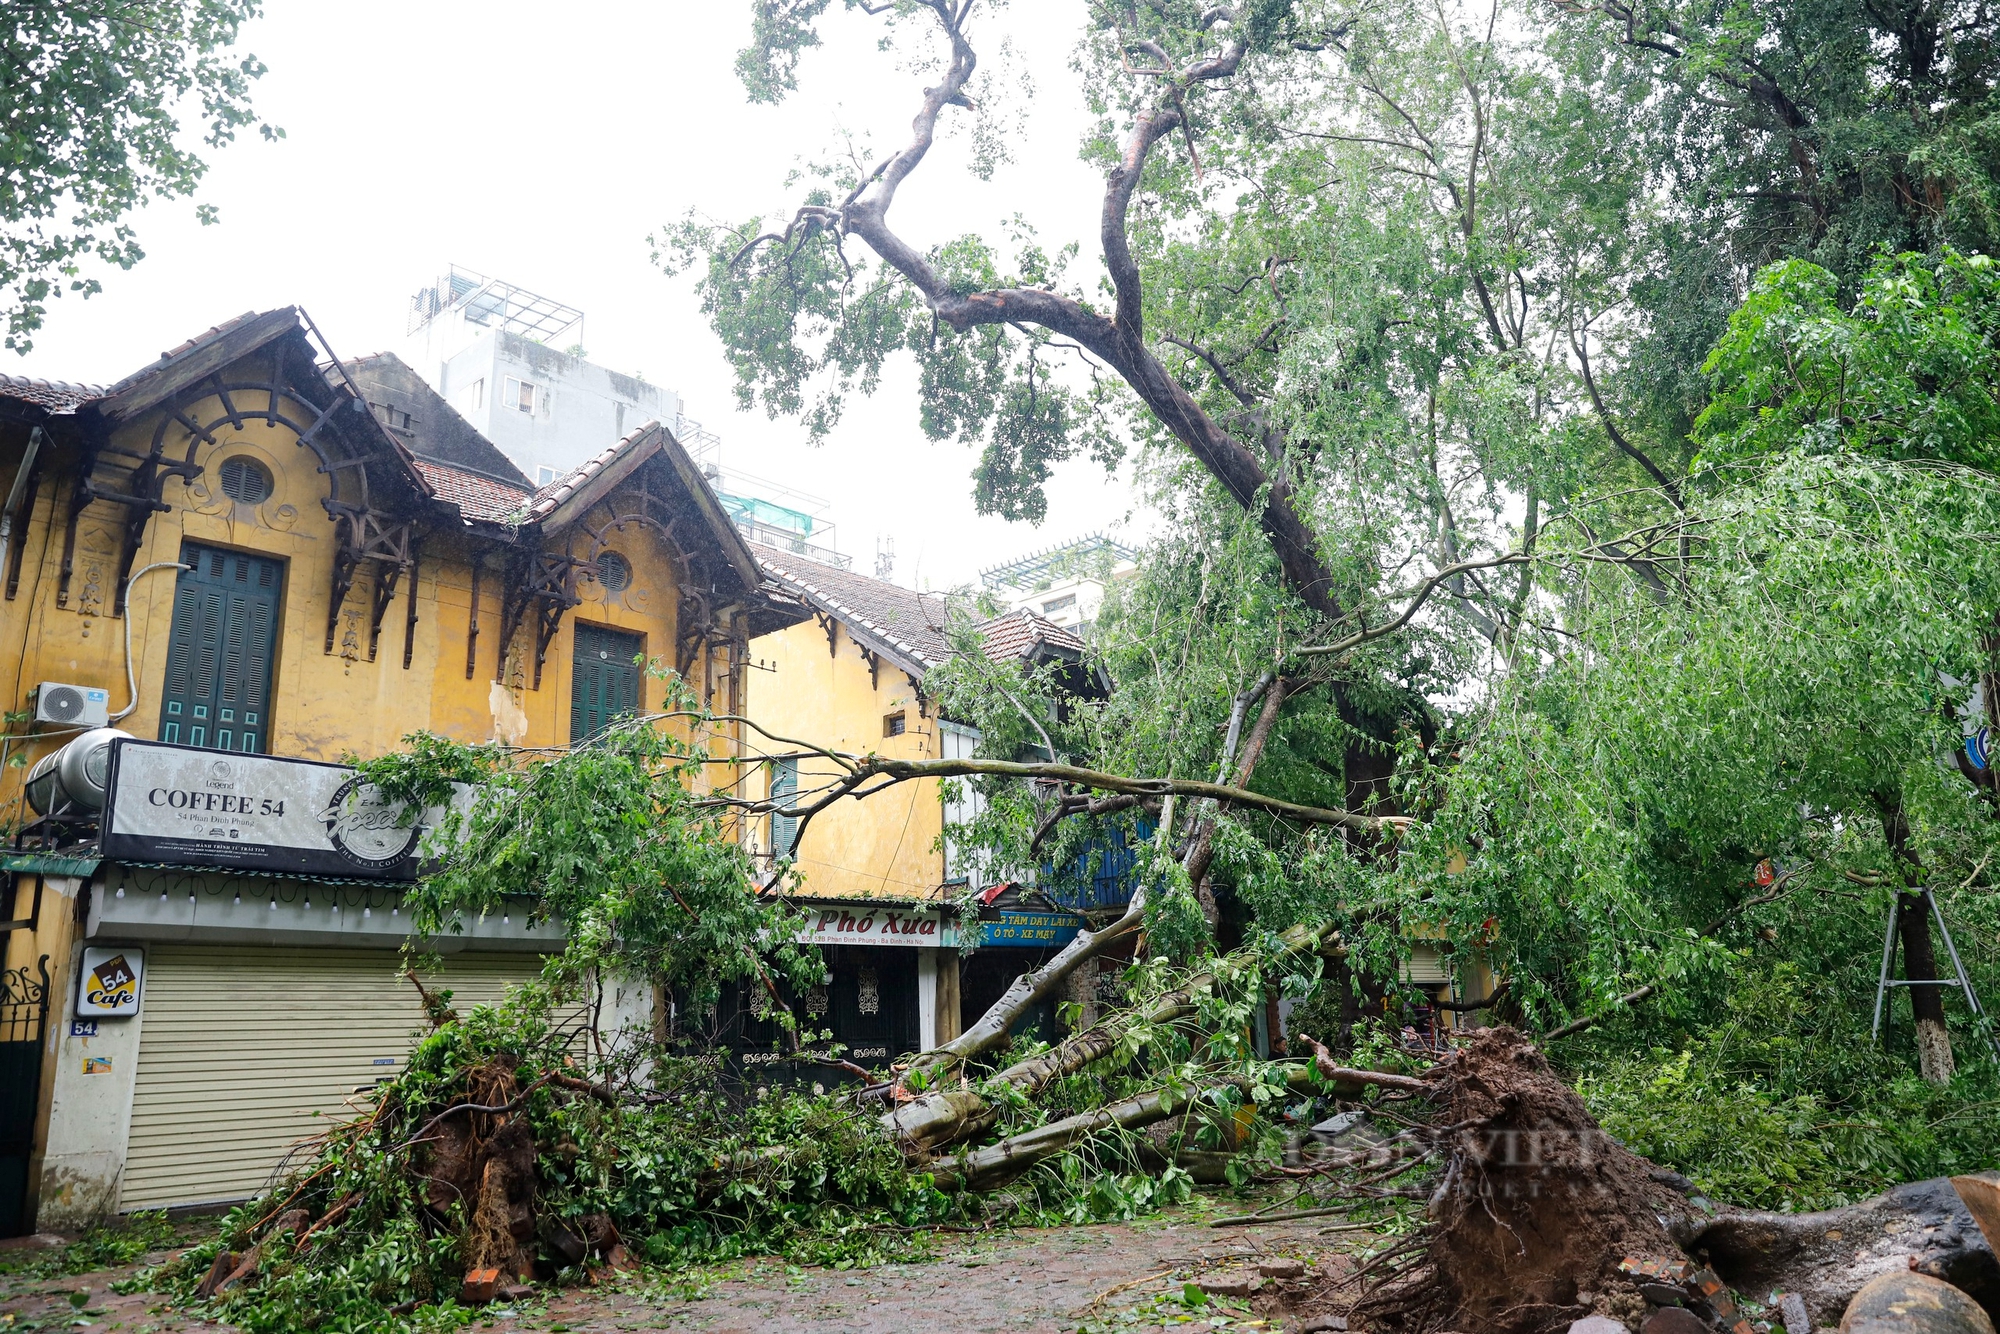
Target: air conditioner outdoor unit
[71,706]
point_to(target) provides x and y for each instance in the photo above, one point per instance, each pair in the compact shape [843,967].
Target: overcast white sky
[542,144]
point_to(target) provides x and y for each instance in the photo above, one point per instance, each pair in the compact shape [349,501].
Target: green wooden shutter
[219,652]
[605,685]
[784,786]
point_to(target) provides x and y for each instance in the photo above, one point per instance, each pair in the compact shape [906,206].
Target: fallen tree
[514,1147]
[507,1153]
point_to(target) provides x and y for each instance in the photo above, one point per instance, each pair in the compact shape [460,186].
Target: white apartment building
[511,362]
[1064,584]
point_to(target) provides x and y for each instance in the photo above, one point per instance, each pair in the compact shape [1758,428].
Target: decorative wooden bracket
[378,605]
[694,629]
[472,618]
[693,641]
[362,534]
[410,619]
[141,500]
[544,582]
[19,549]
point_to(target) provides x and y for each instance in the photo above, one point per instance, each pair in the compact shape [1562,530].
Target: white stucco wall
[581,408]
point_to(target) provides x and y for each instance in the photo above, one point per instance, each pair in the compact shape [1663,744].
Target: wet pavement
[1123,1277]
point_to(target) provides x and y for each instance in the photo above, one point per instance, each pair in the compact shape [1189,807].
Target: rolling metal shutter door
[1425,965]
[240,1046]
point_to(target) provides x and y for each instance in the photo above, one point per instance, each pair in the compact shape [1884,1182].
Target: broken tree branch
[932,1122]
[903,770]
[980,1169]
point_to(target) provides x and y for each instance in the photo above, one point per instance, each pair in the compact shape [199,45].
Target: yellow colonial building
[851,679]
[222,576]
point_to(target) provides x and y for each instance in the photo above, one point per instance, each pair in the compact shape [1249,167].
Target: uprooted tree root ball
[1537,1217]
[1534,1206]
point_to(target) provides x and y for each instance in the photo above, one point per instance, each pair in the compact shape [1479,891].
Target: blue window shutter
[784,785]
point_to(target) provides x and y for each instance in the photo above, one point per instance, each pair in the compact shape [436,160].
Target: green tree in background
[1826,130]
[92,103]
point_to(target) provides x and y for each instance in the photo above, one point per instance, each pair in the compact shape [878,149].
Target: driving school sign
[195,807]
[877,924]
[1028,930]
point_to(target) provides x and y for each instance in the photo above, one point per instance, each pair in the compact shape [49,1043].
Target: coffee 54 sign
[211,808]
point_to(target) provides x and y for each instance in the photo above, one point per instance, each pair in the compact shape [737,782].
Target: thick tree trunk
[1827,1257]
[1913,925]
[1913,928]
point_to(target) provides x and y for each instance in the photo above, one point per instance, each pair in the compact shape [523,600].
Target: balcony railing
[784,539]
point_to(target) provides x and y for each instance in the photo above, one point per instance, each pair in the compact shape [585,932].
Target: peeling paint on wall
[510,721]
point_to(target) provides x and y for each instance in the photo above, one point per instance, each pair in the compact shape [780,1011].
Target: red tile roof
[173,354]
[562,488]
[58,396]
[479,498]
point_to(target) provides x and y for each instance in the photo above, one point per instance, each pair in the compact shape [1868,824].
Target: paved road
[1043,1280]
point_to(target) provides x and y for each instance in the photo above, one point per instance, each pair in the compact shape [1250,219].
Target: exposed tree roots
[1538,1218]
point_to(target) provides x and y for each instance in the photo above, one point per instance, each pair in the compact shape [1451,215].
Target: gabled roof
[158,380]
[567,499]
[199,357]
[1026,636]
[904,626]
[304,371]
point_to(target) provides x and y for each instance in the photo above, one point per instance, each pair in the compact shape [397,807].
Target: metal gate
[24,1017]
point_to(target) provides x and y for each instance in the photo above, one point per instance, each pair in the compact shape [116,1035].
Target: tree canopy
[1571,425]
[92,103]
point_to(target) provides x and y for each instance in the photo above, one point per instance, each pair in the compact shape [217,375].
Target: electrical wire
[132,680]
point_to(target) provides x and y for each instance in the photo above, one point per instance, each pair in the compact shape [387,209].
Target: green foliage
[1773,1103]
[1908,372]
[780,32]
[102,1247]
[807,323]
[694,1167]
[94,104]
[688,1175]
[1618,799]
[608,837]
[1824,131]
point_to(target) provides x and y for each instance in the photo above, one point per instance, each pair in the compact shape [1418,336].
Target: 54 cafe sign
[111,981]
[185,806]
